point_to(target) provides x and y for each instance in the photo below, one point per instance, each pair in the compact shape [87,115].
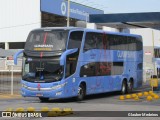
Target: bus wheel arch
[130,85]
[81,91]
[124,86]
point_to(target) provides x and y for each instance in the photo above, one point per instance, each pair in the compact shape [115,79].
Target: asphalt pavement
[100,102]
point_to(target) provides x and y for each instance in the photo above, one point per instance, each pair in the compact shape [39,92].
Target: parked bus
[74,62]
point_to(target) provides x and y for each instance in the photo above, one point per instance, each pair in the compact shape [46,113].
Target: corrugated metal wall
[17,18]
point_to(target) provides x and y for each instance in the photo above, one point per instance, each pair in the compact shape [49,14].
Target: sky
[123,6]
[129,6]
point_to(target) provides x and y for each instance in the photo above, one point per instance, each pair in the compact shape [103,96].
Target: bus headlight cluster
[59,86]
[23,85]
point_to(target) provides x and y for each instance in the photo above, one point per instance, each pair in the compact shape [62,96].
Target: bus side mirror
[16,56]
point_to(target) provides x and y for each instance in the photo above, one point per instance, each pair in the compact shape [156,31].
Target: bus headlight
[59,86]
[23,85]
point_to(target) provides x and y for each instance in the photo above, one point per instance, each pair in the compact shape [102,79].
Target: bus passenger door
[70,73]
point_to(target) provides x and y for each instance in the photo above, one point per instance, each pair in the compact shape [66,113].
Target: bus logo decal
[38,86]
[122,55]
[43,46]
[63,8]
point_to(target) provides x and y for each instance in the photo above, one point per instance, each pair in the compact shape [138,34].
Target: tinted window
[113,42]
[140,66]
[139,44]
[117,42]
[95,41]
[75,39]
[101,69]
[157,53]
[40,40]
[132,43]
[88,70]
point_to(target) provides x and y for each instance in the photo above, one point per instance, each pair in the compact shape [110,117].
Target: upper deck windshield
[49,40]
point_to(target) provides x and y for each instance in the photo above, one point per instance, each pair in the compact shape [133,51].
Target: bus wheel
[130,86]
[81,92]
[42,99]
[124,87]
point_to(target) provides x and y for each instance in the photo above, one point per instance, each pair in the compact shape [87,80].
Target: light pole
[87,15]
[153,53]
[68,13]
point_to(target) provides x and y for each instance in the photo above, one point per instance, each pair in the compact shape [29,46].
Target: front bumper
[47,90]
[38,93]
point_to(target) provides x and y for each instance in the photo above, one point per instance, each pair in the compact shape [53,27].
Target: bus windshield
[42,70]
[41,40]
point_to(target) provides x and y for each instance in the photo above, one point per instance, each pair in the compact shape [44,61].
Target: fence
[10,76]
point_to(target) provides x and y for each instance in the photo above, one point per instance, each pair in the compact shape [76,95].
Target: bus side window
[75,39]
[90,41]
[139,44]
[96,41]
[88,70]
[140,66]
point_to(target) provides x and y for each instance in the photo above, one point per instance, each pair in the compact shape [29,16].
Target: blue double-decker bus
[74,62]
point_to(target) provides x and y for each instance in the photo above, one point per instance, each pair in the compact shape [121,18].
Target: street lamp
[68,13]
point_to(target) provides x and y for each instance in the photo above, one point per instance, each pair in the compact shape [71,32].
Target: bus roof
[59,28]
[88,30]
[113,33]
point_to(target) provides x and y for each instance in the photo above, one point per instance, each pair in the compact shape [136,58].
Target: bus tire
[81,92]
[130,86]
[42,99]
[124,87]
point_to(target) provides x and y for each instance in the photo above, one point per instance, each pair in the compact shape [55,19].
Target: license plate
[39,94]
